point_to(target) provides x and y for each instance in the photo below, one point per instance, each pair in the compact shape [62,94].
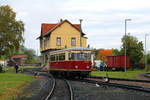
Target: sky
[103,20]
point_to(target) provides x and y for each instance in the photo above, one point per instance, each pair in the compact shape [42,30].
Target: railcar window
[57,57]
[79,56]
[52,58]
[71,56]
[62,56]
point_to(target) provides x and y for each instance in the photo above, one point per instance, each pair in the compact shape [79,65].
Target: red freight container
[118,62]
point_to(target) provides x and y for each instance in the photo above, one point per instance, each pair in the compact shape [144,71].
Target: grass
[28,67]
[119,74]
[11,84]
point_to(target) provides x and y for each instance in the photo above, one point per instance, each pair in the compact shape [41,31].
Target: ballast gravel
[88,91]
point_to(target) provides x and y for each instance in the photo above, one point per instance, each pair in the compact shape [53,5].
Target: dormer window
[58,41]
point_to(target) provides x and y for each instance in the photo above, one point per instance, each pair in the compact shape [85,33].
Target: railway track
[147,75]
[121,79]
[61,89]
[137,88]
[132,82]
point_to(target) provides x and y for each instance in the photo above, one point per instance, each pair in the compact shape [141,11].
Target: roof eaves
[59,25]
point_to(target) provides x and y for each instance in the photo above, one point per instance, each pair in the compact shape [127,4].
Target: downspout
[80,32]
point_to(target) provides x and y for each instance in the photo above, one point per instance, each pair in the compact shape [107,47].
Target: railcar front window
[52,58]
[79,56]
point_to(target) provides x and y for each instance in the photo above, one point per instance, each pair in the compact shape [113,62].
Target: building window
[73,41]
[44,43]
[47,42]
[58,41]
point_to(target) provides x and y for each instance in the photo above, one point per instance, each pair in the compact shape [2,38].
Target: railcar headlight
[87,67]
[76,67]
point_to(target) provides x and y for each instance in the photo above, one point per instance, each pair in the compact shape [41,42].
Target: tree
[148,58]
[11,31]
[32,57]
[116,52]
[134,49]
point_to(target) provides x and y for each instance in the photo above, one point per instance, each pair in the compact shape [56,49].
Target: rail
[121,79]
[70,89]
[52,90]
[138,88]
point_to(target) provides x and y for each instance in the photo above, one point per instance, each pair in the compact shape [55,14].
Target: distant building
[101,54]
[60,36]
[3,62]
[18,59]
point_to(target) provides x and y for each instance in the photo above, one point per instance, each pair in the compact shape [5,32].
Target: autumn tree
[134,49]
[11,31]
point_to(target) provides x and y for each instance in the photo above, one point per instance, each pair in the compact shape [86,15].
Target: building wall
[65,32]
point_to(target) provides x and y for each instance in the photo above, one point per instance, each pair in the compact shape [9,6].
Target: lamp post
[145,53]
[125,53]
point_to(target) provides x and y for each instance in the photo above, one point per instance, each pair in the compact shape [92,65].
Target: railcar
[70,62]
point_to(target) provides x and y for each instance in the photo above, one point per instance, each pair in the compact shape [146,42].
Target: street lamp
[145,53]
[125,44]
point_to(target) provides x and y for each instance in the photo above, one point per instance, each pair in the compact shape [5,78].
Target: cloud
[101,5]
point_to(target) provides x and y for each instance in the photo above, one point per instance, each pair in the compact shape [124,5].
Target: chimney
[61,20]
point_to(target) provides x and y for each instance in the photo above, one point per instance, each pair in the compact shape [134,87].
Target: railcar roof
[73,49]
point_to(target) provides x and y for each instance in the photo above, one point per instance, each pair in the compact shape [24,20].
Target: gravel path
[87,91]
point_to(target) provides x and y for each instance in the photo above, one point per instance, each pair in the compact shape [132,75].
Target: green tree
[134,49]
[11,31]
[116,52]
[148,58]
[32,57]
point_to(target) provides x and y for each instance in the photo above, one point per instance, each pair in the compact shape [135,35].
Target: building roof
[47,28]
[106,52]
[20,56]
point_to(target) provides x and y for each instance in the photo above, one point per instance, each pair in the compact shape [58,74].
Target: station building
[61,35]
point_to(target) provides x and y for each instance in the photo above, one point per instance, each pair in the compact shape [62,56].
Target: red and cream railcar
[70,62]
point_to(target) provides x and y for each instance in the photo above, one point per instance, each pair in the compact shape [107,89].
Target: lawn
[29,67]
[12,83]
[119,74]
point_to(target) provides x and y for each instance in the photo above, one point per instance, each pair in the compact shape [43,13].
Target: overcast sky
[103,20]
